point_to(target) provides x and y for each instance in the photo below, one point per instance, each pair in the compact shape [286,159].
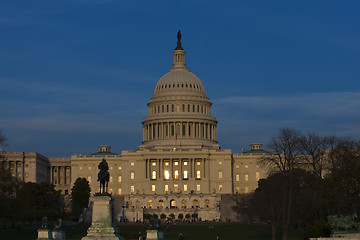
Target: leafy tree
[8,188]
[37,201]
[80,194]
[146,216]
[243,205]
[194,216]
[342,184]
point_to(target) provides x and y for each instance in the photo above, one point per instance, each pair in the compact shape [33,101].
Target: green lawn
[200,231]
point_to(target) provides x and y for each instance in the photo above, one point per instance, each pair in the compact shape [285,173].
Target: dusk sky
[75,74]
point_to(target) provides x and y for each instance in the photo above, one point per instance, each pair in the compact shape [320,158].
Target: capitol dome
[179,82]
[179,110]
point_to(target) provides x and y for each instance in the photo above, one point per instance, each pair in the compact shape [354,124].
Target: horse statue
[103,176]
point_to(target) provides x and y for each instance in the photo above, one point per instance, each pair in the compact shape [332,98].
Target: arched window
[153,175]
[172,203]
[207,203]
[195,203]
[183,203]
[161,204]
[149,204]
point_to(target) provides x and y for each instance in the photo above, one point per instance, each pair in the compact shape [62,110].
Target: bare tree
[314,150]
[285,156]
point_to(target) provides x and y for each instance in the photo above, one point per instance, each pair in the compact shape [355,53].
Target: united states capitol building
[179,167]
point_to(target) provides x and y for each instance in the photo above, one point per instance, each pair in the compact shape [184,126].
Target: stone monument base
[102,225]
[152,234]
[44,234]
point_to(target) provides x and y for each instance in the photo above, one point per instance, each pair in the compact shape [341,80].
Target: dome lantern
[179,56]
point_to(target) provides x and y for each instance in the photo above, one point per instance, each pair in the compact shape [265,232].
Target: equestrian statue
[103,176]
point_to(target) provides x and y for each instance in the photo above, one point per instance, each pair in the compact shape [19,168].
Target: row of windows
[246,177]
[179,85]
[180,107]
[185,175]
[195,204]
[247,166]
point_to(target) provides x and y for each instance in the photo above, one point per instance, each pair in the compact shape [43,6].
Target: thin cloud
[334,104]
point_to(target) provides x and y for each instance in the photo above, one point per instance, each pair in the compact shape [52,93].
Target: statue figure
[103,176]
[44,223]
[179,47]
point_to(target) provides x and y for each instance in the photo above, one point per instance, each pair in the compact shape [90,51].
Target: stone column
[204,162]
[16,169]
[159,162]
[146,168]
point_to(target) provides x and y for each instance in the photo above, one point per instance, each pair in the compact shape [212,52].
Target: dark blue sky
[75,74]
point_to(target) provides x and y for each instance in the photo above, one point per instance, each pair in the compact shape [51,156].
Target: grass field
[197,231]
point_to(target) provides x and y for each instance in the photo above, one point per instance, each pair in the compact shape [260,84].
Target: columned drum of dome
[179,111]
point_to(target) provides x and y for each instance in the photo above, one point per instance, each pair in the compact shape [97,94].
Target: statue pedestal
[102,225]
[152,234]
[44,234]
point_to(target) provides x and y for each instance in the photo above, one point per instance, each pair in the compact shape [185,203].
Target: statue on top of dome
[179,47]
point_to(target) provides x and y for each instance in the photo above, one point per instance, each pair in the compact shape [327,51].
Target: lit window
[132,188]
[132,175]
[198,174]
[111,179]
[111,191]
[237,190]
[166,188]
[246,189]
[167,175]
[119,178]
[176,188]
[246,177]
[237,177]
[220,188]
[220,174]
[80,168]
[119,167]
[89,168]
[110,168]
[176,176]
[89,179]
[153,163]
[132,164]
[166,163]
[246,166]
[153,175]
[257,166]
[198,187]
[220,163]
[153,188]
[185,174]
[149,204]
[185,187]
[176,163]
[257,175]
[185,163]
[237,166]
[198,163]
